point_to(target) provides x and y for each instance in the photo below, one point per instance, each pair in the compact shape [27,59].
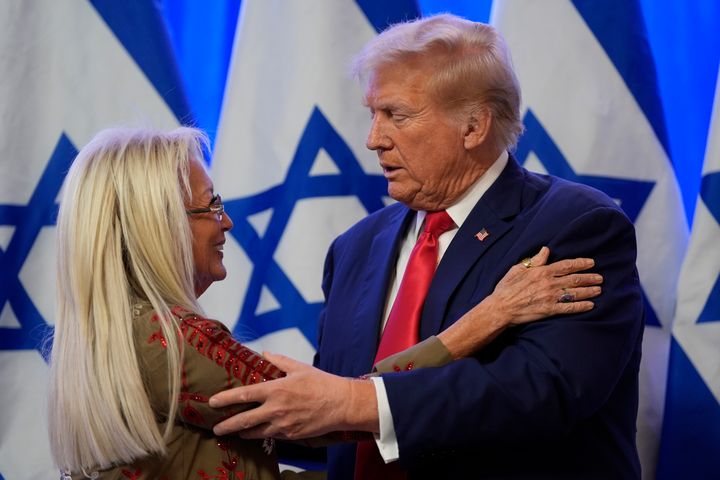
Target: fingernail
[598,278]
[212,402]
[596,290]
[590,262]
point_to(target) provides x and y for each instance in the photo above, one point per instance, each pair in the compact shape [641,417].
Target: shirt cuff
[387,440]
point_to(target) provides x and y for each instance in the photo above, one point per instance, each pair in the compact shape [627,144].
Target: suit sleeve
[539,380]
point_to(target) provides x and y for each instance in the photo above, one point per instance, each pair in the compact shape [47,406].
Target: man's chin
[409,199]
[400,194]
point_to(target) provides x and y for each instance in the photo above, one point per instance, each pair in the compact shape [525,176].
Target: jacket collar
[378,274]
[492,215]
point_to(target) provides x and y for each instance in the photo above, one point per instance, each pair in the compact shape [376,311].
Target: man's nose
[377,139]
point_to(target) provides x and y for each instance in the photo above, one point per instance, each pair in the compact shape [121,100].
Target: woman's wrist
[475,329]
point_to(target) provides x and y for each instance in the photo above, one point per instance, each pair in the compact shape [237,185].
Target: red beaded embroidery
[408,367]
[223,474]
[131,475]
[157,335]
[214,342]
[192,415]
[217,344]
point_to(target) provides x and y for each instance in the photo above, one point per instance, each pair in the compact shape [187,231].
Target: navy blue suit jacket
[552,399]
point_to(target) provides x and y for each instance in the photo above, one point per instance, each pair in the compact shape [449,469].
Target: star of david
[710,195]
[351,180]
[28,220]
[631,194]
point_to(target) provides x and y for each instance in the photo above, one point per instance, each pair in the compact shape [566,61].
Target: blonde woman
[140,237]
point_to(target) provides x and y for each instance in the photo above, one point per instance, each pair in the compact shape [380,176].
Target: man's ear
[477,128]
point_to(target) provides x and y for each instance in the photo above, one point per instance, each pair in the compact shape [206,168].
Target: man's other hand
[306,403]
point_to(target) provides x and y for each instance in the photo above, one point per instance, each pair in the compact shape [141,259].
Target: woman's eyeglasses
[216,207]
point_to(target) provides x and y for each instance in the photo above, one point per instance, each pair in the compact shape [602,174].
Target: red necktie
[403,328]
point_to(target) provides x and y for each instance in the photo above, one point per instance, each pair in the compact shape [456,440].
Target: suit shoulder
[376,221]
[572,198]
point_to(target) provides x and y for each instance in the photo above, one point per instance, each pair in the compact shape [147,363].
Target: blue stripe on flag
[691,429]
[711,310]
[617,24]
[710,195]
[381,13]
[141,30]
[475,10]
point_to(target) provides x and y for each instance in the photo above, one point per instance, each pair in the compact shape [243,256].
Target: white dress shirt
[387,440]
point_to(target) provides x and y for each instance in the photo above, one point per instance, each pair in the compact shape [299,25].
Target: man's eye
[397,117]
[214,199]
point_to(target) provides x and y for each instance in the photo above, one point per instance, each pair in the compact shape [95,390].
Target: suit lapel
[373,292]
[494,213]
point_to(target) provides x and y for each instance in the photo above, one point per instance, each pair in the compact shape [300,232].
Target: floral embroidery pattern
[217,344]
[229,472]
[158,334]
[188,412]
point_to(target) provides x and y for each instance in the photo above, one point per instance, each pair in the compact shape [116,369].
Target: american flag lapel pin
[482,235]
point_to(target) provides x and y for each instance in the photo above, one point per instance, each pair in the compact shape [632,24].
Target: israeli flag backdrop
[691,432]
[69,68]
[291,164]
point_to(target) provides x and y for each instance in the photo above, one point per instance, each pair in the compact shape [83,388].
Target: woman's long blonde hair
[123,236]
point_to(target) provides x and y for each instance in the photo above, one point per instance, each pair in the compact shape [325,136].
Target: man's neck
[461,208]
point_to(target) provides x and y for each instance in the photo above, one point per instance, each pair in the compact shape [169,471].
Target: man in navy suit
[552,399]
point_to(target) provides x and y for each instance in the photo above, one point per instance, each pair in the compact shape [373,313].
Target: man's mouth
[388,169]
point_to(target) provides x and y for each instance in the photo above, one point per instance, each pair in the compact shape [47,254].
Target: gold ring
[527,262]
